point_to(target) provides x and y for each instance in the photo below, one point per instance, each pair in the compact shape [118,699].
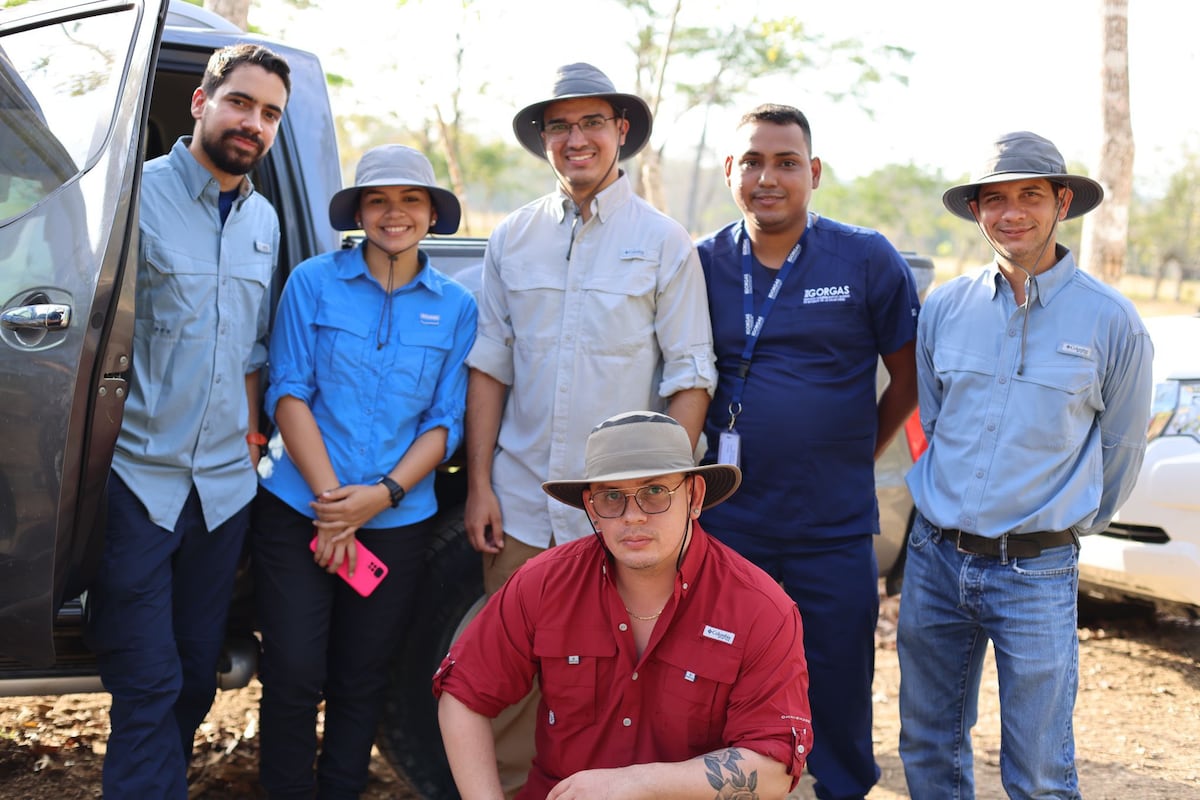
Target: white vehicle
[1150,553]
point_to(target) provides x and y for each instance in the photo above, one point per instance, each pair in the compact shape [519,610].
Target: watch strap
[395,491]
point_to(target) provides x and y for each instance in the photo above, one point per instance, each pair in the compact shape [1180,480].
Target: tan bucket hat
[642,444]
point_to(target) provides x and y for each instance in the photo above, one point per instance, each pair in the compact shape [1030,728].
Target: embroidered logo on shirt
[827,294]
[631,252]
[716,633]
[1080,350]
[262,247]
[572,659]
[689,676]
[431,319]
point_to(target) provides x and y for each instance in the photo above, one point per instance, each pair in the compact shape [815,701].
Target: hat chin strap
[1030,277]
[591,195]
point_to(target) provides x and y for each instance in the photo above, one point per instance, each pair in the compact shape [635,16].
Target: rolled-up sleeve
[769,711]
[682,323]
[292,342]
[449,403]
[492,351]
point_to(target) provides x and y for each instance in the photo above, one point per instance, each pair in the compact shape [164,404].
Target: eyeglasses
[591,124]
[652,499]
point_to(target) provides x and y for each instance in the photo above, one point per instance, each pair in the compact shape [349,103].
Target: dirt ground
[1137,727]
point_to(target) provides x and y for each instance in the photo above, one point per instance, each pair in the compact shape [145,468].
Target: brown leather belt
[1017,545]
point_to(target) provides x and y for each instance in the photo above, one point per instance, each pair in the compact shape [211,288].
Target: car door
[74,86]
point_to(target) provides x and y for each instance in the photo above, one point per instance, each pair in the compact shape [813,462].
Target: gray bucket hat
[394,165]
[584,80]
[642,444]
[1018,156]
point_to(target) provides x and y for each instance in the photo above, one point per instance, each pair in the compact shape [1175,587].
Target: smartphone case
[369,573]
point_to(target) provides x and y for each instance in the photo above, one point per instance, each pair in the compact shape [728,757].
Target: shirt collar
[196,176]
[353,264]
[604,204]
[1046,285]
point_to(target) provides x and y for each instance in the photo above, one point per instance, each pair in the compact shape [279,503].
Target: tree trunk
[236,11]
[1106,230]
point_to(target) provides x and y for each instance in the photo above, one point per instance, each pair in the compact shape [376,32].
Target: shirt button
[1003,381]
[635,676]
[623,626]
[217,379]
[992,427]
[627,722]
[1012,331]
[979,473]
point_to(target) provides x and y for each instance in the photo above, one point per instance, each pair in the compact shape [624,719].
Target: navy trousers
[324,641]
[835,583]
[156,616]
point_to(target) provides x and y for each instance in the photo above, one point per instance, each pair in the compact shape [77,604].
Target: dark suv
[88,90]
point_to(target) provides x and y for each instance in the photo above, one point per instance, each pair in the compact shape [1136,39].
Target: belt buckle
[958,544]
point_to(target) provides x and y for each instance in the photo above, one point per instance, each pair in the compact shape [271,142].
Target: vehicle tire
[451,593]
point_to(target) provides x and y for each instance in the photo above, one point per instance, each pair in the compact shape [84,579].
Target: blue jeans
[835,584]
[323,641]
[952,604]
[156,616]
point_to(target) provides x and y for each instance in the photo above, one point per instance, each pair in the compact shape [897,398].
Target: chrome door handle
[38,317]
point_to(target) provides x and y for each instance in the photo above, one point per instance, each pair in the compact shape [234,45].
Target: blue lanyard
[754,324]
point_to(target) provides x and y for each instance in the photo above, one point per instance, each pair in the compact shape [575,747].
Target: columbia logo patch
[827,294]
[719,635]
[1067,348]
[431,319]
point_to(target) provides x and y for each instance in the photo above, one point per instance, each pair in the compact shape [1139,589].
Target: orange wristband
[256,438]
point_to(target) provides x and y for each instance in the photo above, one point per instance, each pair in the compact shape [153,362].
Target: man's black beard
[224,159]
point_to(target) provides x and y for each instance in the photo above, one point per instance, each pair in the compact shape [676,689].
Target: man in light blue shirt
[1034,390]
[183,476]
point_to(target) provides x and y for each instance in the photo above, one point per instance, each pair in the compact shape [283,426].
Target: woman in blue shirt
[368,390]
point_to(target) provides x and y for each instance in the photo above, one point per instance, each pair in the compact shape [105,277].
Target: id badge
[729,448]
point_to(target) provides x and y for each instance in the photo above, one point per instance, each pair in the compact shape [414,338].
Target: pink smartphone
[367,575]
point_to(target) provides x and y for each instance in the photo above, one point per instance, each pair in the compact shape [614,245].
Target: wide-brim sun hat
[642,444]
[583,80]
[1019,156]
[394,165]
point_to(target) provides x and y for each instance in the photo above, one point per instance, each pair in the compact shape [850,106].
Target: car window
[58,90]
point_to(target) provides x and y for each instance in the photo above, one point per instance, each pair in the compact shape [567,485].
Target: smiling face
[395,218]
[237,123]
[585,162]
[1019,218]
[642,542]
[772,176]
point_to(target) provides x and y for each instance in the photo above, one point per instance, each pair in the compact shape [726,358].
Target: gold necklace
[645,619]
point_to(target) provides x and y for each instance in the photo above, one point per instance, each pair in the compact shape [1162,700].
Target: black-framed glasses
[591,124]
[652,499]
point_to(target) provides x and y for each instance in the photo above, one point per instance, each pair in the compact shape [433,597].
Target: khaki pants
[513,729]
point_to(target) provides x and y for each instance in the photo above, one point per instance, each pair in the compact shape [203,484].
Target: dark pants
[322,640]
[835,583]
[156,616]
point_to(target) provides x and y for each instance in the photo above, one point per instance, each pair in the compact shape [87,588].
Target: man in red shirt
[669,665]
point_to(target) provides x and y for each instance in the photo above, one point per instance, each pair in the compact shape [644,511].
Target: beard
[227,157]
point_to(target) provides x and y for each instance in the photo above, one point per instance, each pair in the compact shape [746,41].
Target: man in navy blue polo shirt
[802,309]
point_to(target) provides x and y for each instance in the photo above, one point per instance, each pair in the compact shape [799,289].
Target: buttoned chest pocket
[418,361]
[694,687]
[249,277]
[174,287]
[1064,394]
[620,305]
[571,662]
[342,338]
[534,295]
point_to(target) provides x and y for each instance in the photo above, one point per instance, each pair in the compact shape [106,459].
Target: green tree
[717,63]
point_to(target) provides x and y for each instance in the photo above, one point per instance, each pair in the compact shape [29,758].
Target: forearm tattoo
[725,775]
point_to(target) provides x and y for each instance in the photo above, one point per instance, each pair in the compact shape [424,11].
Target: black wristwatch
[395,491]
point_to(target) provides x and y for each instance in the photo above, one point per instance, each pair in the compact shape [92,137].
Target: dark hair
[780,115]
[224,61]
